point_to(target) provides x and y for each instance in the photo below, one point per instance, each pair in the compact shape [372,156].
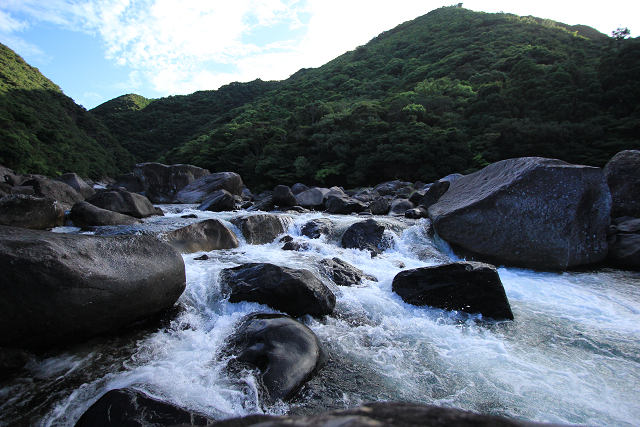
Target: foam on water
[570,356]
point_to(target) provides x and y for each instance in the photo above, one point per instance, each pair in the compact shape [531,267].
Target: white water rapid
[571,356]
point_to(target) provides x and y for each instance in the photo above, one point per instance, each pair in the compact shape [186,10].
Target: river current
[571,356]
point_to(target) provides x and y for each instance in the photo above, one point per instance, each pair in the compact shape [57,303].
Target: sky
[97,50]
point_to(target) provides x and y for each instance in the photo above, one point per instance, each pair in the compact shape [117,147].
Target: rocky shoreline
[529,212]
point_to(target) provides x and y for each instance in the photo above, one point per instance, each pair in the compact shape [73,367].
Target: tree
[621,33]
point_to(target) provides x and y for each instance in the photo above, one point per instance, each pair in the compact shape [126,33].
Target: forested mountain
[44,131]
[149,128]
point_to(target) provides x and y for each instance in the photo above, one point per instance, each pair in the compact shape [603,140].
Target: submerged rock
[286,353]
[208,235]
[471,287]
[36,213]
[57,288]
[292,291]
[531,212]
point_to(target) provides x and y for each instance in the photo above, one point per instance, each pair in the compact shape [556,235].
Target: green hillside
[44,131]
[149,128]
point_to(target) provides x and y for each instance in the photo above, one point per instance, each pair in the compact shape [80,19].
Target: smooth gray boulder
[199,189]
[127,181]
[77,183]
[298,188]
[293,291]
[344,205]
[434,193]
[37,213]
[400,206]
[530,212]
[207,235]
[471,287]
[124,202]
[283,196]
[259,229]
[160,183]
[311,198]
[218,201]
[57,288]
[84,214]
[66,195]
[286,353]
[623,178]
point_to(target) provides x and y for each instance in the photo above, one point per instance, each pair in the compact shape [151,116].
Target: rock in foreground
[292,291]
[286,352]
[530,212]
[36,213]
[471,287]
[57,288]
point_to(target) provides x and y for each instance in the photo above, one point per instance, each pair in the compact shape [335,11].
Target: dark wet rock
[333,191]
[379,206]
[292,291]
[218,201]
[416,213]
[77,183]
[403,193]
[366,195]
[625,250]
[286,353]
[263,202]
[295,246]
[298,188]
[471,287]
[283,196]
[400,206]
[63,193]
[12,361]
[342,273]
[199,189]
[388,188]
[161,183]
[531,212]
[246,195]
[37,213]
[124,202]
[311,198]
[416,196]
[317,227]
[84,214]
[127,181]
[364,235]
[58,288]
[259,229]
[132,408]
[344,205]
[389,414]
[434,193]
[203,257]
[25,190]
[189,216]
[207,235]
[623,178]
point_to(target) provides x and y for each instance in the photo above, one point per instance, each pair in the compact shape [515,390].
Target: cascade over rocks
[316,228]
[342,273]
[161,182]
[286,352]
[364,235]
[218,201]
[623,178]
[531,212]
[207,235]
[77,183]
[84,214]
[124,202]
[471,287]
[199,189]
[37,213]
[132,408]
[283,196]
[259,229]
[292,291]
[57,288]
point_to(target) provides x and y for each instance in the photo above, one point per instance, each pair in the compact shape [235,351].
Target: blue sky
[96,50]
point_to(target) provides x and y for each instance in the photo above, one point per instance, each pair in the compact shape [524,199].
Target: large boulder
[124,202]
[298,188]
[84,214]
[218,201]
[471,287]
[66,195]
[207,235]
[344,205]
[286,353]
[292,291]
[624,243]
[311,198]
[127,181]
[400,206]
[379,206]
[57,288]
[132,408]
[364,235]
[623,177]
[161,182]
[434,193]
[283,196]
[342,273]
[259,229]
[77,183]
[199,189]
[531,212]
[37,213]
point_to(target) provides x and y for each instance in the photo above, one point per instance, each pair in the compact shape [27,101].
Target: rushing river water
[572,355]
